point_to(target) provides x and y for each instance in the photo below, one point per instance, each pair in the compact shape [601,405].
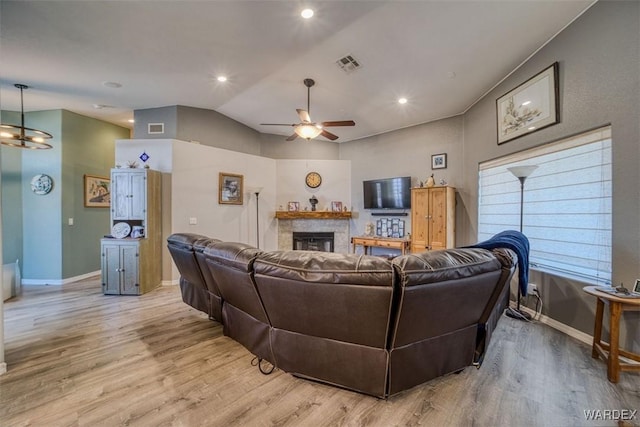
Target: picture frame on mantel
[532,106]
[439,161]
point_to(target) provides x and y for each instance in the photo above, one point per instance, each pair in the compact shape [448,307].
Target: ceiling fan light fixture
[307,131]
[21,136]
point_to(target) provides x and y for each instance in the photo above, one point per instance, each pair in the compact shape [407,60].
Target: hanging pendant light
[21,136]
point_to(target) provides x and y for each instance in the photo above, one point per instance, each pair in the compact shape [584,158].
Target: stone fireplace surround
[339,227]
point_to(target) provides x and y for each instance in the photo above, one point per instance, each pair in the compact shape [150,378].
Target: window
[566,204]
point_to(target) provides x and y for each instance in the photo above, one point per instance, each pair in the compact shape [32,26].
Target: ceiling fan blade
[328,135]
[304,115]
[277,124]
[292,137]
[338,123]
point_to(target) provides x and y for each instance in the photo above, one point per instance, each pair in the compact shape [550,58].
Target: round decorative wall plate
[120,230]
[41,184]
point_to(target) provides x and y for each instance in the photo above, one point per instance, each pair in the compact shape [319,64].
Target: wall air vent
[349,64]
[155,128]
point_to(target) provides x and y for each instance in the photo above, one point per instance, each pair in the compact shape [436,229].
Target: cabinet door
[419,220]
[129,270]
[120,192]
[437,218]
[137,199]
[111,269]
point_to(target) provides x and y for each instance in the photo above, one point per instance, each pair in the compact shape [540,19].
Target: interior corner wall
[404,152]
[168,116]
[276,147]
[87,149]
[599,81]
[209,127]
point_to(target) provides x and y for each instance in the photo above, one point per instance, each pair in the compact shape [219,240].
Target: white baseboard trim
[3,368]
[170,282]
[58,282]
[574,333]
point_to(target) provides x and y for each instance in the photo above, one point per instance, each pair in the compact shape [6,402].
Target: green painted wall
[36,229]
[88,149]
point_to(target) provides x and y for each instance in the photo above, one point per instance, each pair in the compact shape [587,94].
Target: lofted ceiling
[442,56]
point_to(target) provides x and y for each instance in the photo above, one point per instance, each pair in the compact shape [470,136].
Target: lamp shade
[522,171]
[307,131]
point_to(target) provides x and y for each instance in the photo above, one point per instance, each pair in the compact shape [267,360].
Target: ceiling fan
[306,128]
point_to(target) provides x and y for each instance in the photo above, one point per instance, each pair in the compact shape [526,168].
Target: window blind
[566,208]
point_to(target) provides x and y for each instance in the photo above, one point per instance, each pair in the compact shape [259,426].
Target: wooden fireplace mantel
[313,215]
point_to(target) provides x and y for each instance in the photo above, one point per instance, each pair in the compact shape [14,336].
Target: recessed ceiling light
[307,13]
[402,100]
[222,79]
[113,85]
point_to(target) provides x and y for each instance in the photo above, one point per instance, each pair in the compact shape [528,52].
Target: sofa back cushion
[344,297]
[180,247]
[231,265]
[442,291]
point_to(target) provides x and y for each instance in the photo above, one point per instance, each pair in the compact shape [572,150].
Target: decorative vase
[431,181]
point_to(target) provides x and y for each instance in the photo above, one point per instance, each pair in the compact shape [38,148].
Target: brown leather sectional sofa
[359,322]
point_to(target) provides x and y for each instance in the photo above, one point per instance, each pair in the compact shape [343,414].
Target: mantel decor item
[97,192]
[439,161]
[529,107]
[293,206]
[336,206]
[21,136]
[230,189]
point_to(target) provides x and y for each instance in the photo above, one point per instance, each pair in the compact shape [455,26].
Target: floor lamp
[257,193]
[522,173]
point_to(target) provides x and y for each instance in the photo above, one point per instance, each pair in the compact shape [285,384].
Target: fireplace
[315,241]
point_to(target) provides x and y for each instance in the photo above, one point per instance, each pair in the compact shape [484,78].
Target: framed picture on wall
[529,107]
[230,189]
[439,161]
[97,191]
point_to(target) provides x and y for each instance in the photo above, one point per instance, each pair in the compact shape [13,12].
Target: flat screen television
[388,193]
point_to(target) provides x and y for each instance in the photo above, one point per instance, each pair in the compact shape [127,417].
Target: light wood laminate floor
[78,358]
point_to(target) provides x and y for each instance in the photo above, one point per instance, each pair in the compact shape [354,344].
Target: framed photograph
[230,189]
[530,107]
[336,206]
[97,191]
[636,288]
[293,206]
[439,161]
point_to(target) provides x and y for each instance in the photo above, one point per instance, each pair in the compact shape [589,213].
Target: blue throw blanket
[518,243]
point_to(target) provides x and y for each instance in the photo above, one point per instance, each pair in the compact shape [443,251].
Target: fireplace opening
[322,242]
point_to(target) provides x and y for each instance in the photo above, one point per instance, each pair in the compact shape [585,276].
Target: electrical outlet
[532,288]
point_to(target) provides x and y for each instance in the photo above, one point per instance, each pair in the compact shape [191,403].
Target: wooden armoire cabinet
[132,265]
[433,217]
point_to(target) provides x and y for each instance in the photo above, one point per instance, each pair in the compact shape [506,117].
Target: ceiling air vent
[349,64]
[155,128]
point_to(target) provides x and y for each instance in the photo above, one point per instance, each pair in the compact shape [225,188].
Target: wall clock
[313,180]
[41,184]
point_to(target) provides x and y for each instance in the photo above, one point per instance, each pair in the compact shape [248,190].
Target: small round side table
[611,352]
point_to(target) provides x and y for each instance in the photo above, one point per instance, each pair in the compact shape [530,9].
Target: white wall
[291,186]
[194,171]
